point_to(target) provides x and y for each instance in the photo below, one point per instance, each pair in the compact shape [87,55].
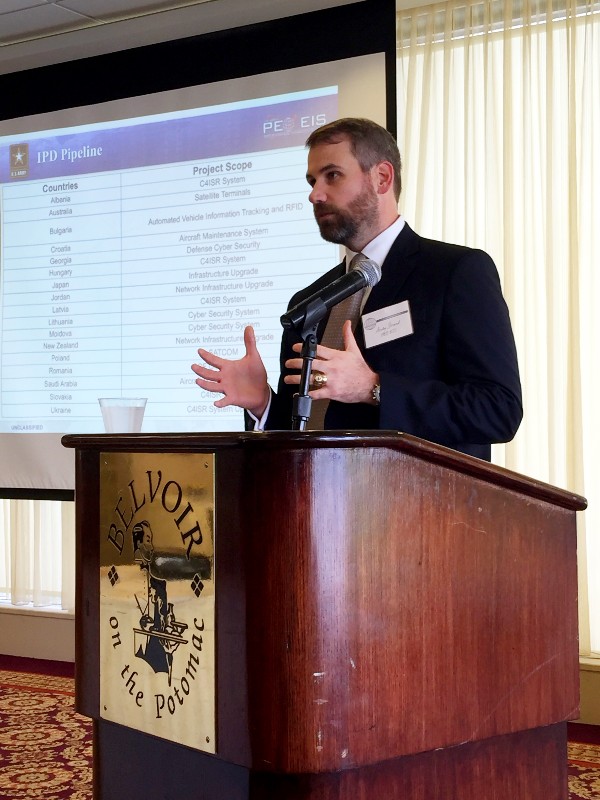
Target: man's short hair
[369,144]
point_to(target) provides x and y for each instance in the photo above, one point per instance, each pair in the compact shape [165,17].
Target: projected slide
[136,230]
[127,245]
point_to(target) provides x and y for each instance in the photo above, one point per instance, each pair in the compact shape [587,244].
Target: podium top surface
[194,442]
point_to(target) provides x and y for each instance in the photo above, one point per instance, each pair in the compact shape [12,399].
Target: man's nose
[317,195]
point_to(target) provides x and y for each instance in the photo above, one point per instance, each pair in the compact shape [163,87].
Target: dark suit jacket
[455,379]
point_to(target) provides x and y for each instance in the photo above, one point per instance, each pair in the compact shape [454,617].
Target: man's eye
[333,175]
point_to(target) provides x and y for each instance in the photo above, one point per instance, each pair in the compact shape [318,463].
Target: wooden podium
[393,620]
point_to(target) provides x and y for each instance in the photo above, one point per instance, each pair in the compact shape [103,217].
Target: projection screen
[134,232]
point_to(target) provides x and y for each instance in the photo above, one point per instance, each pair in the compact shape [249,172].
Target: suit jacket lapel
[396,268]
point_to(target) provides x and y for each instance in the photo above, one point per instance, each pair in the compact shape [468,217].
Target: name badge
[387,324]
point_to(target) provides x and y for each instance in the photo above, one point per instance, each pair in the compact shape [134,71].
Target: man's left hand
[349,377]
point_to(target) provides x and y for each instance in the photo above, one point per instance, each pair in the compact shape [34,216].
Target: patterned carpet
[584,765]
[46,748]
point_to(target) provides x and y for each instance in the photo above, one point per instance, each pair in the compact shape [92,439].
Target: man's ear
[384,177]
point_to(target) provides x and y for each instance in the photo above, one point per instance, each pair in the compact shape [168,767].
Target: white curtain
[499,127]
[37,545]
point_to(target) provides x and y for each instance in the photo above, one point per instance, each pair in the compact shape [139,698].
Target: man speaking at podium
[433,352]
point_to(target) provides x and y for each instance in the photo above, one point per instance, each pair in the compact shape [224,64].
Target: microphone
[310,311]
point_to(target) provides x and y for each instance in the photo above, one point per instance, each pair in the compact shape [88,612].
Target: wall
[590,691]
[44,634]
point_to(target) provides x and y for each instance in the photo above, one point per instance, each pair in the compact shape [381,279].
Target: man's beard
[344,225]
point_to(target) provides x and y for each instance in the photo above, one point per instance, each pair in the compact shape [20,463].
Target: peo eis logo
[19,160]
[284,126]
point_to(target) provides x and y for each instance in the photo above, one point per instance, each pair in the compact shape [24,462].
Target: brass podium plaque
[157,595]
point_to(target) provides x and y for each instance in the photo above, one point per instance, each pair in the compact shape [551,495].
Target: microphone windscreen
[370,270]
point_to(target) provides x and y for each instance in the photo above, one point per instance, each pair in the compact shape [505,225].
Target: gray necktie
[333,337]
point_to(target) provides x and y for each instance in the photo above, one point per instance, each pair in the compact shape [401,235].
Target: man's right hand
[242,382]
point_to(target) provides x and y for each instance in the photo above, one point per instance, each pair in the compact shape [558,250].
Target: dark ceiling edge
[320,36]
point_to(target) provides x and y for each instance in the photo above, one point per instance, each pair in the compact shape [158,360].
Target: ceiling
[38,32]
[24,20]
